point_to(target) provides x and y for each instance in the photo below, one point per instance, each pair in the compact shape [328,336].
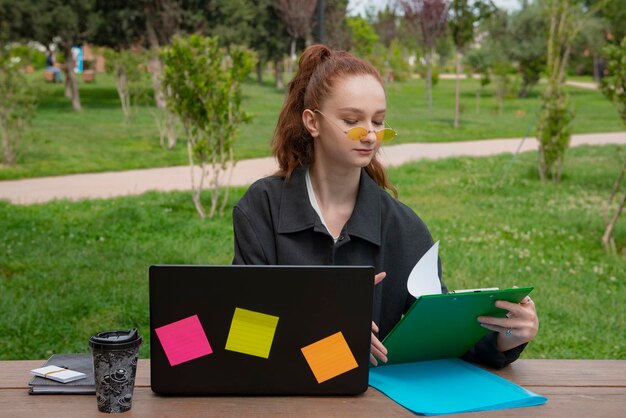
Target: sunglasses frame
[388,129]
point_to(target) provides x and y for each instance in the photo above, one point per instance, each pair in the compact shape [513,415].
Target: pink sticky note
[183,340]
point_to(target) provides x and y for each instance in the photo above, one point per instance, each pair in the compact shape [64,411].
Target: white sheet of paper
[424,278]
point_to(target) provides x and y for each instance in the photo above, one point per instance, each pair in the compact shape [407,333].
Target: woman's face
[355,101]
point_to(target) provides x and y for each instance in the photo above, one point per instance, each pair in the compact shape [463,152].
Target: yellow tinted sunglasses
[358,133]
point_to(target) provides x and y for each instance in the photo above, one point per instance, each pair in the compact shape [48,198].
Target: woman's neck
[335,187]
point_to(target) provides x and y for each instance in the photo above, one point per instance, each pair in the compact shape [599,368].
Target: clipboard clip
[484,289]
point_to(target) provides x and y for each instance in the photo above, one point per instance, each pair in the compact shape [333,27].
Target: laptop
[260,330]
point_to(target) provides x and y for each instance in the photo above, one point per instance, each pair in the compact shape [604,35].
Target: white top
[313,199]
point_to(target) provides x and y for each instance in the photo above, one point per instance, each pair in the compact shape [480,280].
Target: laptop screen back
[260,330]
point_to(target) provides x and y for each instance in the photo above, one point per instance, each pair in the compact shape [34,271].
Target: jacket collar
[297,214]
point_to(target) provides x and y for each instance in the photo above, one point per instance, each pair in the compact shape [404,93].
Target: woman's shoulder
[266,188]
[400,213]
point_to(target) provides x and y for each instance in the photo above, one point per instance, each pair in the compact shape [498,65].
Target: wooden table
[575,388]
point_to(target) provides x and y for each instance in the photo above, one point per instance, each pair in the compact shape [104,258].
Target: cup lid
[116,339]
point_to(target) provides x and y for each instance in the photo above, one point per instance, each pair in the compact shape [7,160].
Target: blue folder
[449,386]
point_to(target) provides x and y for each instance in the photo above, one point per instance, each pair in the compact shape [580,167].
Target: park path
[134,182]
[590,85]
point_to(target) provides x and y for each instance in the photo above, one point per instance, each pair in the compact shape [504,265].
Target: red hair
[318,69]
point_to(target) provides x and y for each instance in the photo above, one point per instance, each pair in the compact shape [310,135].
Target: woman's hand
[518,327]
[377,349]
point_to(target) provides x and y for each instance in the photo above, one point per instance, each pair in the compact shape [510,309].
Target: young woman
[327,205]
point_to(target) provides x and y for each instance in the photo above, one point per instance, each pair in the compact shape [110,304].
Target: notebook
[445,325]
[79,362]
[260,330]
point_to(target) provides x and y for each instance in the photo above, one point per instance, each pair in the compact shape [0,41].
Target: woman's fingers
[377,350]
[379,277]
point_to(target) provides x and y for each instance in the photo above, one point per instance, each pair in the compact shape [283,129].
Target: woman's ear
[310,122]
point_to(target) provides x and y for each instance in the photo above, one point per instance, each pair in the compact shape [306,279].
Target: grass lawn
[62,141]
[69,269]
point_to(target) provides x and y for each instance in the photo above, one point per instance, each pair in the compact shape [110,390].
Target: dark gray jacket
[275,224]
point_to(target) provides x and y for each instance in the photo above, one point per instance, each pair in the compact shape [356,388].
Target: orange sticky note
[329,357]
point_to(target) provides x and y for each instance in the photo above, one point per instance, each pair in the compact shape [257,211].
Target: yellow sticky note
[329,357]
[251,333]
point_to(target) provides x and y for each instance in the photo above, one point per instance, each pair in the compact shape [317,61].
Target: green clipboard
[445,325]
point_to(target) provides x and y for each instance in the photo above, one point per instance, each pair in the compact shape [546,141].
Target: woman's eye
[378,123]
[350,121]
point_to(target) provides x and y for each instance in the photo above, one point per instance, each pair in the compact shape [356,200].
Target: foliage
[614,82]
[398,62]
[63,22]
[17,106]
[362,36]
[205,84]
[613,12]
[28,55]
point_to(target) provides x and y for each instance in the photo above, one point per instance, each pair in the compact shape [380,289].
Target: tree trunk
[259,72]
[429,79]
[196,190]
[156,69]
[123,91]
[292,57]
[71,84]
[596,68]
[457,95]
[278,73]
[477,101]
[607,237]
[7,149]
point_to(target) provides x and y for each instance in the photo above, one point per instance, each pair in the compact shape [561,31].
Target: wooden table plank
[563,402]
[586,373]
[566,373]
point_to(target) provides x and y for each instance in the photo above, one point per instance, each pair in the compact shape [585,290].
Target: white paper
[424,278]
[58,373]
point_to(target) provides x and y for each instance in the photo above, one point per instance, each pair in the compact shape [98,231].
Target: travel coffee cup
[115,355]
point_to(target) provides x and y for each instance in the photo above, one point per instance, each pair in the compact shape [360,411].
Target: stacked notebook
[81,363]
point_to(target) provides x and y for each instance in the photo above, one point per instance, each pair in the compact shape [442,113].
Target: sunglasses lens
[385,134]
[356,134]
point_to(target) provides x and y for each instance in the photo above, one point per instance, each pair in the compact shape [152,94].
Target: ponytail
[292,144]
[318,68]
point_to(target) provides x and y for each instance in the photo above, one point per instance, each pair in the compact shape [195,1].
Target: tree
[386,26]
[496,49]
[129,69]
[17,106]
[528,29]
[463,17]
[297,15]
[614,88]
[270,39]
[566,18]
[336,33]
[430,17]
[162,22]
[205,83]
[122,27]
